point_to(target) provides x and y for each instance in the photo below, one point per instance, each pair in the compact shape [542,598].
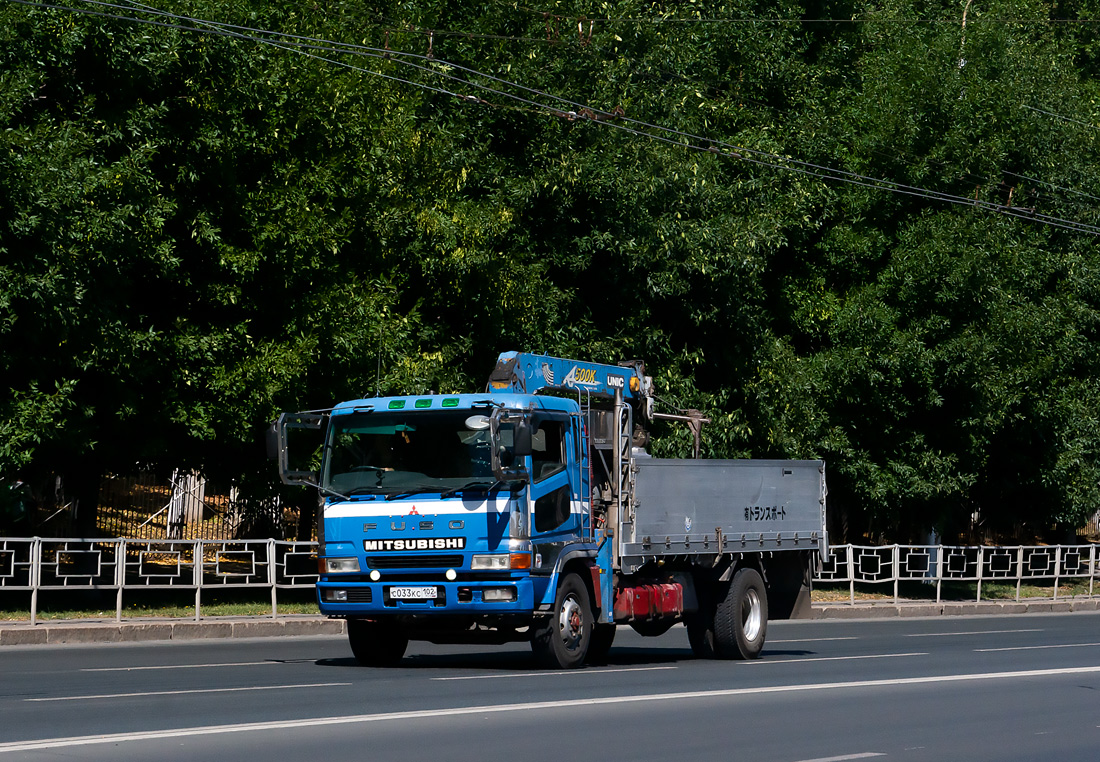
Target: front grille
[359,595]
[414,562]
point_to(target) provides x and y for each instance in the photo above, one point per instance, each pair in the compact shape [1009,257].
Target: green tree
[199,230]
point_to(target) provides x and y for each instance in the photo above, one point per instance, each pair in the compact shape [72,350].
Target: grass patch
[56,605]
[951,591]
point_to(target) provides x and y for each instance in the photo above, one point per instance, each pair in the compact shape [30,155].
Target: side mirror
[297,422]
[521,439]
[508,462]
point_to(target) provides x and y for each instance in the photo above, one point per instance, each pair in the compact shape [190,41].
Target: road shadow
[520,661]
[513,660]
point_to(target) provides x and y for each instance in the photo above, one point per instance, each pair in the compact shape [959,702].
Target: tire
[741,617]
[603,635]
[376,644]
[563,640]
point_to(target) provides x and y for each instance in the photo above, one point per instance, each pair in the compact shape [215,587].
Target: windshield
[392,453]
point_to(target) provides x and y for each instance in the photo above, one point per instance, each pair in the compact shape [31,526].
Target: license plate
[414,593]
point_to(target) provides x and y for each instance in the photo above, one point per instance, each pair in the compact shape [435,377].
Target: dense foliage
[201,227]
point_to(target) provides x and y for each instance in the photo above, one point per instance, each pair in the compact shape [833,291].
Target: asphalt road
[977,688]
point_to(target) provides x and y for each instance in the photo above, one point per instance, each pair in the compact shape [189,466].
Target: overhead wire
[782,20]
[982,180]
[579,111]
[985,180]
[589,45]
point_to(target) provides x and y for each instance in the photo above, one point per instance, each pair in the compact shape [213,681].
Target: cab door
[552,517]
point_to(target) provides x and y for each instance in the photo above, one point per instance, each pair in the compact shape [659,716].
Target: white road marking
[182,693]
[975,632]
[557,705]
[810,640]
[832,658]
[543,674]
[1037,648]
[179,666]
[861,755]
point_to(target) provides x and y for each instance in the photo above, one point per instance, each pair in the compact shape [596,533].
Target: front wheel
[376,644]
[563,640]
[741,617]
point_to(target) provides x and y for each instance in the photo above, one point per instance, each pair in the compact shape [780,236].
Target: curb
[145,630]
[985,608]
[69,632]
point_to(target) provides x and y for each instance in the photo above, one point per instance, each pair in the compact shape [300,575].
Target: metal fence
[35,565]
[1042,568]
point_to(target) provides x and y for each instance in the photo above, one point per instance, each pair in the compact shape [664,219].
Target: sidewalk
[136,630]
[886,609]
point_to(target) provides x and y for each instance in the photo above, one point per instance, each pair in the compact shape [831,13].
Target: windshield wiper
[486,485]
[364,491]
[411,491]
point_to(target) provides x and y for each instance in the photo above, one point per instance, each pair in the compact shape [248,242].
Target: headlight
[341,565]
[489,563]
[501,562]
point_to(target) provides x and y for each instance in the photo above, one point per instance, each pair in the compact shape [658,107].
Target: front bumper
[468,597]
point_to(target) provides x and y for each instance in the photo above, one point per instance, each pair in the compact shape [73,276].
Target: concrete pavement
[51,632]
[134,630]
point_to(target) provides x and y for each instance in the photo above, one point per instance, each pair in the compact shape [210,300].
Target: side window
[547,456]
[552,509]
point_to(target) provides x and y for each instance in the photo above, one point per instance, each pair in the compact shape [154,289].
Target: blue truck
[532,512]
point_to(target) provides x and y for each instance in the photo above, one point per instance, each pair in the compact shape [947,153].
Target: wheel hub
[752,620]
[570,623]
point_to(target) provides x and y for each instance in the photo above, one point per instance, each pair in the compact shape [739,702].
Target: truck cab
[444,517]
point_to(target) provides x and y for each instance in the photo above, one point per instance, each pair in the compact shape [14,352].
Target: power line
[1060,116]
[951,21]
[588,45]
[579,111]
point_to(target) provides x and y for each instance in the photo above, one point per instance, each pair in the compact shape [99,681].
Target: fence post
[1092,567]
[120,577]
[1019,570]
[897,571]
[851,576]
[1057,568]
[198,560]
[36,576]
[272,577]
[939,573]
[981,568]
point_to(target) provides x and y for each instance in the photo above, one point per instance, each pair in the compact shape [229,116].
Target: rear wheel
[563,640]
[741,617]
[376,644]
